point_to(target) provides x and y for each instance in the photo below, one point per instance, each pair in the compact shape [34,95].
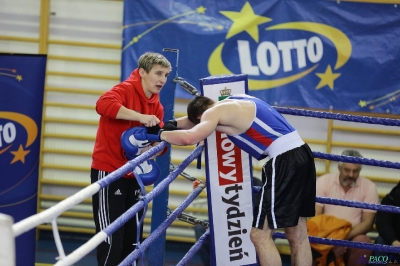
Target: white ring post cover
[229,187]
[7,242]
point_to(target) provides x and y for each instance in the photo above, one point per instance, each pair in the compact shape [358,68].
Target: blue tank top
[267,126]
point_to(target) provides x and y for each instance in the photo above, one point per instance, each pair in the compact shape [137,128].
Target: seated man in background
[388,225]
[349,185]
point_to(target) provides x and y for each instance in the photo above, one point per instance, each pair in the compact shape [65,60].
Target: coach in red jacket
[133,102]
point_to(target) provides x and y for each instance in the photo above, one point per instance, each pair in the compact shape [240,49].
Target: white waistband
[284,143]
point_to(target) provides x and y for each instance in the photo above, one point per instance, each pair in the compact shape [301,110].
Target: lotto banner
[21,104]
[229,185]
[312,54]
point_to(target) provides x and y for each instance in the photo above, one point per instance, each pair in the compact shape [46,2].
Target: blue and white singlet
[269,134]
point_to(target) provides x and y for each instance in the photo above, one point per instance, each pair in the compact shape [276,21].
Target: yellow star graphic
[19,155]
[362,103]
[19,77]
[201,10]
[327,78]
[245,20]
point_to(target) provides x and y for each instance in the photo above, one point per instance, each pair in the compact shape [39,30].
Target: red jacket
[108,154]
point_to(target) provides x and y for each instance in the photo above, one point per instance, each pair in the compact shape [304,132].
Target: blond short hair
[149,59]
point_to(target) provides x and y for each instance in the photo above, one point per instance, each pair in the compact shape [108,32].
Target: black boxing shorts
[288,191]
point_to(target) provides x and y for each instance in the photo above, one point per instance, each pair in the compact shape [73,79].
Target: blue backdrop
[313,54]
[21,102]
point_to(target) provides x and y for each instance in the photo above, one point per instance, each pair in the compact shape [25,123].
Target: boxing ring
[50,215]
[164,218]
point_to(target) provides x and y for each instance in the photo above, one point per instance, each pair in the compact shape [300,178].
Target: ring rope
[83,250]
[313,239]
[161,228]
[146,202]
[193,250]
[53,212]
[130,165]
[351,203]
[48,215]
[356,160]
[336,116]
[346,243]
[57,239]
[357,204]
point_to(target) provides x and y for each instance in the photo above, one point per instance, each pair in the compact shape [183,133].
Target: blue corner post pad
[160,203]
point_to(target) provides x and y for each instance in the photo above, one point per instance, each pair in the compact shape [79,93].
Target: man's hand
[339,251]
[396,243]
[149,120]
[151,134]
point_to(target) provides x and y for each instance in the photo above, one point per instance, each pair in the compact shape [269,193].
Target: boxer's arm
[179,123]
[192,136]
[184,123]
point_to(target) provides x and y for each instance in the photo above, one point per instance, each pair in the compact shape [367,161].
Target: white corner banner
[229,185]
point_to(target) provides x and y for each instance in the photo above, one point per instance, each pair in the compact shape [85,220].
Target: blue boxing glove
[148,172]
[132,146]
[151,134]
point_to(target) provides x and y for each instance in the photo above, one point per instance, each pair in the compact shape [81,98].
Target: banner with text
[229,185]
[313,54]
[21,103]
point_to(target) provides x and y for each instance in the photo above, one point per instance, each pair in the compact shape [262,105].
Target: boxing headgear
[148,172]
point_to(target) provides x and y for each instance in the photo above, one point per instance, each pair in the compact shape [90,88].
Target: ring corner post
[219,150]
[160,203]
